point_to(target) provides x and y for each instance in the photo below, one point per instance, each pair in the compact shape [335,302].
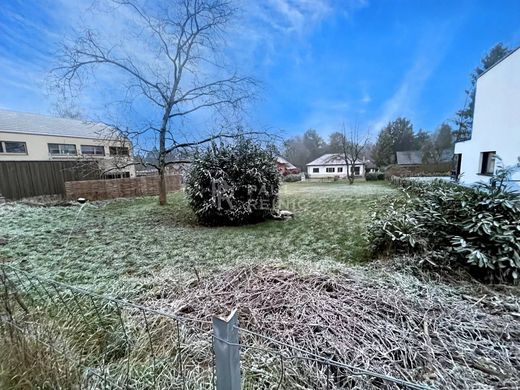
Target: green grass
[132,244]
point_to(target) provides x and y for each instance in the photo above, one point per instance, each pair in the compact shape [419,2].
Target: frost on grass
[373,318]
[134,241]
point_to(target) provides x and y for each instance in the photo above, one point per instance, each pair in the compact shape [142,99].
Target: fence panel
[120,188]
[22,179]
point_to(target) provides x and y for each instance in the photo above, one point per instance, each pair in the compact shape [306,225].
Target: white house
[496,123]
[33,137]
[331,165]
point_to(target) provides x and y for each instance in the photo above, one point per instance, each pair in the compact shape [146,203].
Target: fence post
[227,352]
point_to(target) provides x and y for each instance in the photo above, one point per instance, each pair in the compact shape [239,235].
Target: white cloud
[403,101]
[365,98]
[267,28]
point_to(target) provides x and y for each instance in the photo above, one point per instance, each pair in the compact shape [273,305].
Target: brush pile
[391,322]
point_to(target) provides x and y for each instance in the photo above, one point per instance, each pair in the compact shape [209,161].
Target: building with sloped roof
[334,164]
[285,167]
[34,137]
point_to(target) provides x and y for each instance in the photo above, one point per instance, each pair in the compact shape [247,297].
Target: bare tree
[185,36]
[354,144]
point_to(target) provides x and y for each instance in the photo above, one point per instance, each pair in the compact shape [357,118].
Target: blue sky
[320,63]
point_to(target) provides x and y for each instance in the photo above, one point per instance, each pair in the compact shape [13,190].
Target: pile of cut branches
[389,322]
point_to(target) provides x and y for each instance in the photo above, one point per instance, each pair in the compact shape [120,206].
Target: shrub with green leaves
[371,176]
[478,227]
[233,184]
[292,178]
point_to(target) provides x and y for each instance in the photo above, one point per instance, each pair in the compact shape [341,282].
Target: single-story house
[333,164]
[496,124]
[285,167]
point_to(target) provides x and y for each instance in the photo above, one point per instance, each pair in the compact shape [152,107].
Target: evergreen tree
[314,144]
[336,141]
[464,117]
[442,140]
[396,136]
[422,137]
[383,152]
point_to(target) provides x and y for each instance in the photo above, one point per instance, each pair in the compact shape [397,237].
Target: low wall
[439,169]
[398,180]
[120,188]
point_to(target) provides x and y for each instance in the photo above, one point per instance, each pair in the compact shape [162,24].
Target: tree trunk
[350,173]
[162,156]
[162,187]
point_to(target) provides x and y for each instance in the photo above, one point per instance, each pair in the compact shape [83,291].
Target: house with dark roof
[334,164]
[33,137]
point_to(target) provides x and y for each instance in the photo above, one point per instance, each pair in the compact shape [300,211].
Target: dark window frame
[50,144]
[315,170]
[93,146]
[357,171]
[4,148]
[485,159]
[116,175]
[116,150]
[330,170]
[340,169]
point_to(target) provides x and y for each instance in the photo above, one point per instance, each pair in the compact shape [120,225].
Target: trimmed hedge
[292,178]
[440,169]
[372,176]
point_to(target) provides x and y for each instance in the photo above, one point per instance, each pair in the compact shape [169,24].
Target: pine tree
[464,117]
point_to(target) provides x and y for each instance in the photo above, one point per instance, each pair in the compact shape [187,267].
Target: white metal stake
[227,351]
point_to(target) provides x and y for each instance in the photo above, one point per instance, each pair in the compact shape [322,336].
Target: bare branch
[185,35]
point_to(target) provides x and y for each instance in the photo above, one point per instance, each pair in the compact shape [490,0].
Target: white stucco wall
[37,149]
[323,170]
[496,122]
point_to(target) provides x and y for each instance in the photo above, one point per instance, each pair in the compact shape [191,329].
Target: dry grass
[424,331]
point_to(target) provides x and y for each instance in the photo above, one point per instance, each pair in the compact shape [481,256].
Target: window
[457,163]
[116,175]
[62,149]
[357,171]
[340,169]
[13,147]
[487,166]
[119,151]
[315,170]
[93,150]
[329,170]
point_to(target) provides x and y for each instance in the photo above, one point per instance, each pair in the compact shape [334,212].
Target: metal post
[227,352]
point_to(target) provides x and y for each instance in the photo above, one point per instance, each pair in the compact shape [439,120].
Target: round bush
[233,184]
[292,178]
[371,176]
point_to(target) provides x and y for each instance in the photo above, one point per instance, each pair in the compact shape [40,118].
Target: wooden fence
[23,179]
[120,188]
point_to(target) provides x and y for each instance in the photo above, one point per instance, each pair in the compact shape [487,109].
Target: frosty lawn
[135,243]
[294,281]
